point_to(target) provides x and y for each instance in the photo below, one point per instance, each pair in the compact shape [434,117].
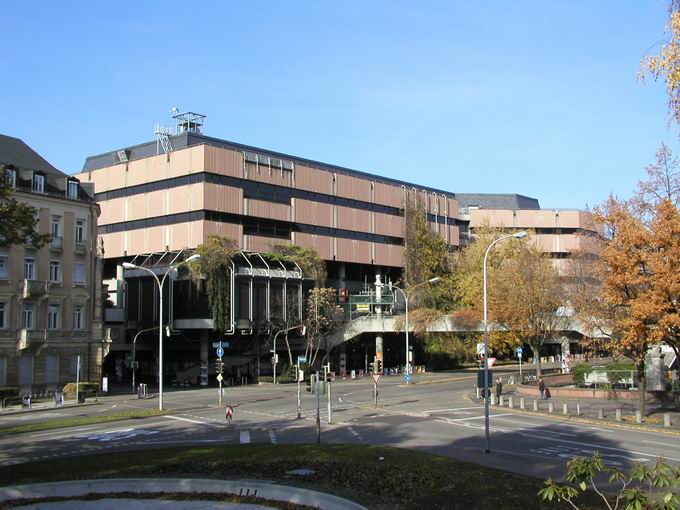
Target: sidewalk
[591,408]
[261,489]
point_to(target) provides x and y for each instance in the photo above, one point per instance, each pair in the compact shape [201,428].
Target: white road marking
[272,437]
[245,437]
[452,410]
[198,422]
[481,417]
[663,444]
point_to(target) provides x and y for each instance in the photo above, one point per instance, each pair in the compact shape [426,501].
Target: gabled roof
[13,151]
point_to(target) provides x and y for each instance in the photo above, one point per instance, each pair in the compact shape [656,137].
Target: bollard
[550,407]
[666,419]
[535,405]
[618,415]
[565,408]
[477,392]
[638,416]
[600,414]
[521,403]
[578,409]
[501,400]
[493,399]
[511,403]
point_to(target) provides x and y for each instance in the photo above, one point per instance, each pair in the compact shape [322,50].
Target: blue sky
[539,98]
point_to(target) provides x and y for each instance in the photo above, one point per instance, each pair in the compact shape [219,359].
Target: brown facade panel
[156,202]
[351,250]
[322,244]
[112,211]
[136,242]
[223,198]
[136,207]
[262,173]
[313,179]
[155,240]
[388,195]
[263,209]
[223,161]
[497,218]
[353,219]
[389,225]
[389,255]
[185,161]
[313,213]
[203,229]
[353,187]
[454,235]
[453,208]
[145,170]
[261,244]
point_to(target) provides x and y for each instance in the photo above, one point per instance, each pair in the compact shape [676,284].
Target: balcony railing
[31,338]
[57,243]
[80,247]
[34,288]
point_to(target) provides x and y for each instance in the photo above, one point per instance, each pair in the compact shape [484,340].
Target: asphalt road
[437,418]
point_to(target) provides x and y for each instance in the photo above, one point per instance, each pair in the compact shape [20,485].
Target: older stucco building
[50,298]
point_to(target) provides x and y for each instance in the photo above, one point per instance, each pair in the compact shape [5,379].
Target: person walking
[541,387]
[499,389]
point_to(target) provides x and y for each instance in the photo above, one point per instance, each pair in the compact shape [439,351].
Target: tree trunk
[537,357]
[642,381]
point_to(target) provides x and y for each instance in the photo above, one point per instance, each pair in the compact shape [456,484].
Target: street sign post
[220,352]
[376,378]
[519,351]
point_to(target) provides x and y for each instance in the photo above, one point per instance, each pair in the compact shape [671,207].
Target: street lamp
[304,329]
[405,294]
[134,355]
[516,235]
[128,265]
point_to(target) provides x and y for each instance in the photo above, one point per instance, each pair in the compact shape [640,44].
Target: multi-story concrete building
[162,197]
[50,298]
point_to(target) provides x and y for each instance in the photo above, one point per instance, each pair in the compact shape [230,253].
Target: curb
[436,381]
[48,408]
[578,419]
[265,490]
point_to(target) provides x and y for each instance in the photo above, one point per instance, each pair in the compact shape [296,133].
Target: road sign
[219,377]
[302,359]
[519,351]
[480,349]
[376,378]
[492,361]
[220,352]
[223,344]
[407,378]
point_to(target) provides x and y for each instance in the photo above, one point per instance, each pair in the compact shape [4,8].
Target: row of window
[251,226]
[54,316]
[79,230]
[38,184]
[260,191]
[53,373]
[55,271]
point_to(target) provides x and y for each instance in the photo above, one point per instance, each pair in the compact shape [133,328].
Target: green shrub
[83,387]
[8,391]
[580,371]
[617,371]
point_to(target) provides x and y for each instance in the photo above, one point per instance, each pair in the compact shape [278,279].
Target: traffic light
[378,366]
[219,366]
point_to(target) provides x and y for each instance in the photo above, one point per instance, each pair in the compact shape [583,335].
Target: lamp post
[405,294]
[304,329]
[160,283]
[134,355]
[516,235]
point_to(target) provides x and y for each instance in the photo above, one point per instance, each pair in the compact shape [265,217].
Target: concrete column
[203,376]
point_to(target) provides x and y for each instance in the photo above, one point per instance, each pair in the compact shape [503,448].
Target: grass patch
[80,420]
[375,476]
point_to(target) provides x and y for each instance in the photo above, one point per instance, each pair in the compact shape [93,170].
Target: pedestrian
[541,387]
[499,389]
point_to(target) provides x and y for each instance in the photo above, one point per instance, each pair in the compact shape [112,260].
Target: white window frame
[38,183]
[27,316]
[55,271]
[79,317]
[4,266]
[77,281]
[4,314]
[29,268]
[56,225]
[72,190]
[80,231]
[54,316]
[11,177]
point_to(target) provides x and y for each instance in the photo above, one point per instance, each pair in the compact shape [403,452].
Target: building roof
[16,153]
[496,201]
